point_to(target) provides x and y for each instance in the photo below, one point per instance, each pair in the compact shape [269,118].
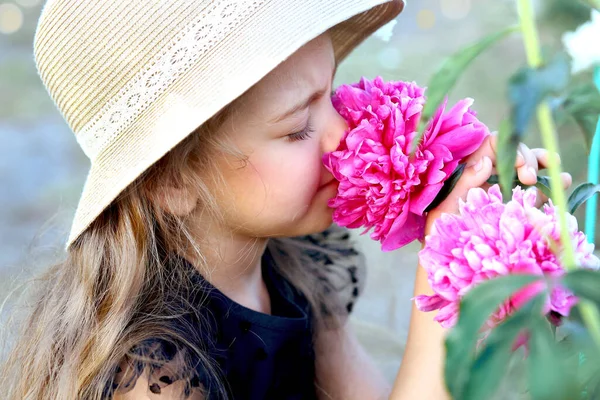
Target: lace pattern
[216,22]
[344,271]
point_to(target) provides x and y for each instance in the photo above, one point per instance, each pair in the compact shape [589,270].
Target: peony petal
[424,198]
[447,316]
[461,141]
[429,303]
[405,229]
[527,293]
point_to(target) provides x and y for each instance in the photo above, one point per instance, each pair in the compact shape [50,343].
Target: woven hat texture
[133,78]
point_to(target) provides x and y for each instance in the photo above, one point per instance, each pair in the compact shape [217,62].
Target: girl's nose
[335,131]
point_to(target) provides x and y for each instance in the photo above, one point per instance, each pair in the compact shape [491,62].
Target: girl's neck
[235,268]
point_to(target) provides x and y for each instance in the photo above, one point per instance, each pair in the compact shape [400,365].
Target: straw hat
[133,78]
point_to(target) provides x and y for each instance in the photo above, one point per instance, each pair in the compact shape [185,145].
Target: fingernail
[532,172]
[477,167]
[520,158]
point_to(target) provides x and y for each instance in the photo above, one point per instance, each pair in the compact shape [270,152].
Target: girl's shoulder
[338,264]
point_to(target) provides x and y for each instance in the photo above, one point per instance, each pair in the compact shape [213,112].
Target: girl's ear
[176,201]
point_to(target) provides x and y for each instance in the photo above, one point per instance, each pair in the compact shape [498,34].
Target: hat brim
[263,42]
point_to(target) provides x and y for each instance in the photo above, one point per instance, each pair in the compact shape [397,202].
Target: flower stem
[589,312]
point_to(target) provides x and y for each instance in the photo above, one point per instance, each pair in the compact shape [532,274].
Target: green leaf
[506,155]
[587,125]
[443,81]
[581,194]
[447,187]
[454,66]
[475,308]
[491,363]
[580,354]
[584,283]
[582,98]
[529,87]
[578,341]
[583,105]
[543,183]
[548,377]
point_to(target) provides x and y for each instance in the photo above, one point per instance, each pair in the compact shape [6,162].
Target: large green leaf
[475,308]
[582,98]
[584,283]
[583,105]
[587,124]
[442,82]
[492,361]
[454,66]
[581,352]
[549,379]
[529,87]
[581,194]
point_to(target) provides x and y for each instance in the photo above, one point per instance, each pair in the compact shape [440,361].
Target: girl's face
[284,124]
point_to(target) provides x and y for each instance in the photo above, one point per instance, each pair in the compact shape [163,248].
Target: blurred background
[42,169]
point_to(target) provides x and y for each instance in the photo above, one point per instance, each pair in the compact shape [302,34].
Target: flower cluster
[382,186]
[488,239]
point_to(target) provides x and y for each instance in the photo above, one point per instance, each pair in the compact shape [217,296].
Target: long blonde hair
[92,308]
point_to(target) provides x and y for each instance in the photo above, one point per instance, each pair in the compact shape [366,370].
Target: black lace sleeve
[339,267]
[155,368]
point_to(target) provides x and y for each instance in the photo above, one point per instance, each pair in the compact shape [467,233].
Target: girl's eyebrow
[300,106]
[305,103]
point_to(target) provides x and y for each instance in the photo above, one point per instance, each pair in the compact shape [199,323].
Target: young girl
[201,261]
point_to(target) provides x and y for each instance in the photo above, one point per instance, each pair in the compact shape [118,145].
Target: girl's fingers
[527,172]
[487,149]
[525,158]
[566,181]
[481,165]
[473,176]
[542,156]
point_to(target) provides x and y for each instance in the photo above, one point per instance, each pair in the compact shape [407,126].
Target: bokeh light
[425,19]
[28,3]
[455,9]
[11,18]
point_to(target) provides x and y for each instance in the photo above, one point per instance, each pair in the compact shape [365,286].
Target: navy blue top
[264,356]
[259,356]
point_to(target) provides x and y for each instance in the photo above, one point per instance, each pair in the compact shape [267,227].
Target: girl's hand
[481,165]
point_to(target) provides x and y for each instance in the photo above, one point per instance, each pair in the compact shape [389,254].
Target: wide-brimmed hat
[133,78]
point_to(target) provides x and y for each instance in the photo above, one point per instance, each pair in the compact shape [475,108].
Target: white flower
[385,32]
[584,44]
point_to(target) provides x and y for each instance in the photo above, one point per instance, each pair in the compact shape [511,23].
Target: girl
[201,262]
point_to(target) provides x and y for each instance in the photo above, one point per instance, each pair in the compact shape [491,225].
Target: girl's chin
[319,221]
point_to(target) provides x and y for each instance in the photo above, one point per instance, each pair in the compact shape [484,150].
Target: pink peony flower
[381,187]
[489,239]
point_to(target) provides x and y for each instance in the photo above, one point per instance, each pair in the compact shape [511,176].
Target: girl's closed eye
[302,135]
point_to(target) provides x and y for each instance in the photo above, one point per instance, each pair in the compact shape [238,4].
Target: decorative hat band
[196,39]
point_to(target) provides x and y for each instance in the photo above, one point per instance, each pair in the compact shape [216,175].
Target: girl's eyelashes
[302,135]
